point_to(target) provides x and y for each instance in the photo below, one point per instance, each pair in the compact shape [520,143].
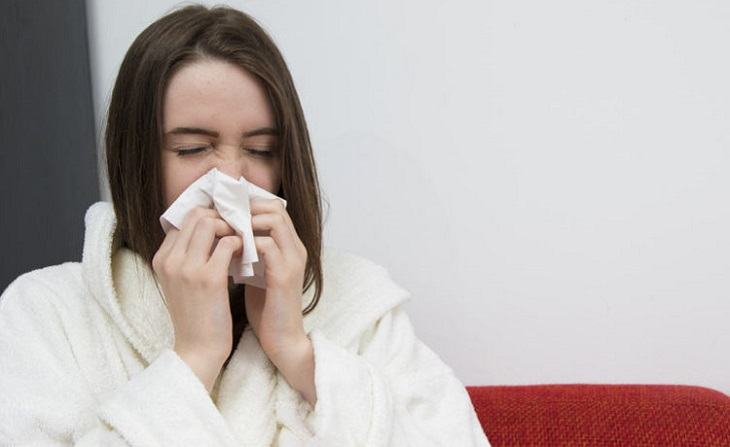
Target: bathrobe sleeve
[46,401]
[394,391]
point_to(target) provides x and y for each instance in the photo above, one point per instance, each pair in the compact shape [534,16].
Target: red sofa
[603,415]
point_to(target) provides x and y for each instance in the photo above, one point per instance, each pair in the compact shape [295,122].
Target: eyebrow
[213,133]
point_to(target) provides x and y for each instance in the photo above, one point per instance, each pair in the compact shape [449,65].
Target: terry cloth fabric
[87,360]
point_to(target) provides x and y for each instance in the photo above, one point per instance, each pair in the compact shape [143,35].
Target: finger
[278,229]
[262,206]
[221,258]
[167,243]
[180,246]
[206,230]
[268,248]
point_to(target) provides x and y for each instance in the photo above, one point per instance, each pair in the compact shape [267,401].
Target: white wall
[549,179]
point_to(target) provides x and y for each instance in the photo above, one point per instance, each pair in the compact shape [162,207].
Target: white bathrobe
[86,359]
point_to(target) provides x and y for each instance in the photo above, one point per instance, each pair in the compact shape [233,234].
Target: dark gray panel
[48,167]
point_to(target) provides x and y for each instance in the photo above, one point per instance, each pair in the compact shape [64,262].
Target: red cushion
[603,415]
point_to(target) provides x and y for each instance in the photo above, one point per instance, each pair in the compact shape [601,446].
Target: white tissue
[231,198]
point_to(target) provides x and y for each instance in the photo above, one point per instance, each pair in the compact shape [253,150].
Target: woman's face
[222,112]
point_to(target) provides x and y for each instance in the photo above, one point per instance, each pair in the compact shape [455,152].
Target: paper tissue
[231,198]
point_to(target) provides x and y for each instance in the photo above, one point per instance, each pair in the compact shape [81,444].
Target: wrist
[288,352]
[204,368]
[297,367]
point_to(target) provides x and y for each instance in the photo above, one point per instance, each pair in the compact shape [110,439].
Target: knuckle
[229,242]
[199,212]
[167,267]
[156,262]
[206,223]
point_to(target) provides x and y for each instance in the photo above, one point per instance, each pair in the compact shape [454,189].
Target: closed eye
[260,153]
[195,150]
[184,152]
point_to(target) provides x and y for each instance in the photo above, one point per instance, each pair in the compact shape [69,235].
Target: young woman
[147,342]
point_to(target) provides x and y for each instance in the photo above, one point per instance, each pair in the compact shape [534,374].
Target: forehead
[208,92]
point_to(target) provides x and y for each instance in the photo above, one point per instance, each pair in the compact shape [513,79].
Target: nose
[233,166]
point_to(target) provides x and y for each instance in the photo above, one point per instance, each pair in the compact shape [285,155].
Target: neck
[236,297]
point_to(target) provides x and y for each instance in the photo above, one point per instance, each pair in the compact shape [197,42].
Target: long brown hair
[133,135]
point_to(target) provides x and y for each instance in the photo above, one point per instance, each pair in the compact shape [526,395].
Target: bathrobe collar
[250,393]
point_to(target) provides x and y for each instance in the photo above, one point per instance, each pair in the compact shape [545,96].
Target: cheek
[267,179]
[176,178]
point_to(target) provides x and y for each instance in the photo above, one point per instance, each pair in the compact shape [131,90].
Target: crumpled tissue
[231,198]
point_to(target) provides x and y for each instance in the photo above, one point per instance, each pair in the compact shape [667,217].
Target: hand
[275,313]
[194,279]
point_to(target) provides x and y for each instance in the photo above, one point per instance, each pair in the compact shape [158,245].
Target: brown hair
[134,133]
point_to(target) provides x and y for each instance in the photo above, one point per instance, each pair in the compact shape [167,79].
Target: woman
[147,342]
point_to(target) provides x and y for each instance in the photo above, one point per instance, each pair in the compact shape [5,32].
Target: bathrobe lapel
[253,397]
[246,393]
